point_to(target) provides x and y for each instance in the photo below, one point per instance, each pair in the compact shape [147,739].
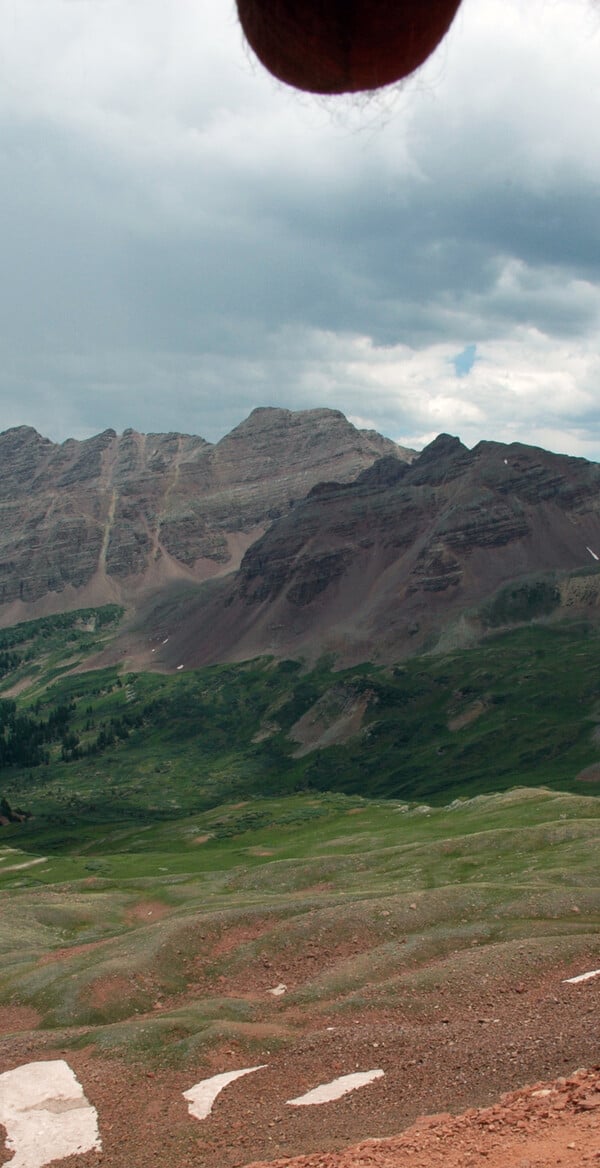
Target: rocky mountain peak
[380,566]
[19,437]
[109,516]
[443,458]
[444,446]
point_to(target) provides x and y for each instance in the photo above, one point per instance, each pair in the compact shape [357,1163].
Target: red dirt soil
[548,1125]
[456,1049]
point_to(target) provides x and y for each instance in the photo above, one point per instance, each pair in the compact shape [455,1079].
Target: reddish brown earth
[544,1125]
[14,1018]
[66,952]
[453,1052]
[146,911]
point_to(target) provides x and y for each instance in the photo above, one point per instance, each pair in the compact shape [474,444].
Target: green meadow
[156,939]
[188,847]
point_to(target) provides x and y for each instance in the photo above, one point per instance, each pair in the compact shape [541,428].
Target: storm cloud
[184,238]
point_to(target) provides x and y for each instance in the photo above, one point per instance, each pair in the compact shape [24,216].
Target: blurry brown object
[344,46]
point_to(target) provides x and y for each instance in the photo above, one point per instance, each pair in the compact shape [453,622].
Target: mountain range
[108,518]
[295,535]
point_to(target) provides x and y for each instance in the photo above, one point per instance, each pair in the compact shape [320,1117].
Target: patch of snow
[26,864]
[200,1098]
[334,1090]
[581,977]
[46,1114]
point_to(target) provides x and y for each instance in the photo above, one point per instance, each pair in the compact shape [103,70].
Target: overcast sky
[184,238]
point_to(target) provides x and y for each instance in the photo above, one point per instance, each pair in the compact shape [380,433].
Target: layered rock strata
[100,519]
[379,567]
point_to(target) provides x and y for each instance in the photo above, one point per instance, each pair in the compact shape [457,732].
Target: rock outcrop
[382,566]
[101,519]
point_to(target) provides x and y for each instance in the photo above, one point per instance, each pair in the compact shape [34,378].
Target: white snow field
[334,1090]
[582,977]
[200,1098]
[46,1114]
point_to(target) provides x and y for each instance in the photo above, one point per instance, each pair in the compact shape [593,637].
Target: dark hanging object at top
[344,46]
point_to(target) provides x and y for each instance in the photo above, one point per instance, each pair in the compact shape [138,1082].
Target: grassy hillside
[520,709]
[200,840]
[160,939]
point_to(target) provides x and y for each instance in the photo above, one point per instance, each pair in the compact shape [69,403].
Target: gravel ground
[449,1053]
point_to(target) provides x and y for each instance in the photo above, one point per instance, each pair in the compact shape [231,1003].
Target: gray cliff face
[432,516]
[119,510]
[377,568]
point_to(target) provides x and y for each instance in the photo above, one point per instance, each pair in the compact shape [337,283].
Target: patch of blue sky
[463,362]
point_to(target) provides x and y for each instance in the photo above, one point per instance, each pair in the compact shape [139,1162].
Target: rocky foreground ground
[542,1126]
[457,1085]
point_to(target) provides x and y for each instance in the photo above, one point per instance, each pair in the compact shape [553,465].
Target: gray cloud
[187,239]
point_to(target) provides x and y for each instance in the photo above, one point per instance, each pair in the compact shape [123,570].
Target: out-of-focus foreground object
[344,46]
